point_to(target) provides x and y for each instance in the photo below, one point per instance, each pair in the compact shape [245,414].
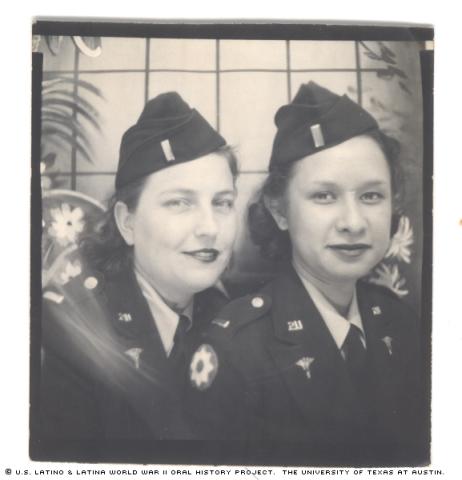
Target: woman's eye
[372,197]
[323,197]
[177,203]
[224,205]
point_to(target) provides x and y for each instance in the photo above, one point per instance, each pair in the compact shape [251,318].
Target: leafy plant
[384,54]
[395,114]
[63,107]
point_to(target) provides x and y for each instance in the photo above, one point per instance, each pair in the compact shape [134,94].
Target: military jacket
[269,375]
[105,375]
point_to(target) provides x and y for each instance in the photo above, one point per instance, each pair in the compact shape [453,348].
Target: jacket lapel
[306,354]
[132,321]
[381,347]
[145,376]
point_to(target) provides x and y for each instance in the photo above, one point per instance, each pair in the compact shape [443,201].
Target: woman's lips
[206,255]
[350,249]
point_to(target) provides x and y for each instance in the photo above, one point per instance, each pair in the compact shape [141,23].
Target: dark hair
[104,248]
[275,244]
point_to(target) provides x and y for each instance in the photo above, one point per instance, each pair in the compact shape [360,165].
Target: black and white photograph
[235,230]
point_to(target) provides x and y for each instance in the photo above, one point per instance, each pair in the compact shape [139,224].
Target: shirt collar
[337,325]
[165,319]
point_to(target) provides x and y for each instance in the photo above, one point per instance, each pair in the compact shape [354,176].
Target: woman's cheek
[228,226]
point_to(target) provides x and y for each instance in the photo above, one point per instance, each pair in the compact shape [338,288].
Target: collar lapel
[132,320]
[207,304]
[305,353]
[143,377]
[377,321]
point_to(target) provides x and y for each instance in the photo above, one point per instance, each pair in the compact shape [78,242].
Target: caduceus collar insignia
[134,354]
[305,364]
[388,343]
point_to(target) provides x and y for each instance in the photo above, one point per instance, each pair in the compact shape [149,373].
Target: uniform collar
[165,319]
[337,324]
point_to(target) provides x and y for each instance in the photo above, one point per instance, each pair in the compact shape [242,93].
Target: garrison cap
[167,133]
[315,120]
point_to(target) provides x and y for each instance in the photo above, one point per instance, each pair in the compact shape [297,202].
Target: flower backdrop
[66,216]
[95,89]
[387,273]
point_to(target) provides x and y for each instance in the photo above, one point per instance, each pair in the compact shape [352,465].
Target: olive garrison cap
[315,120]
[167,133]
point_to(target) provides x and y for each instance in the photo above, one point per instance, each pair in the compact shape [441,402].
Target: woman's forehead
[208,173]
[359,159]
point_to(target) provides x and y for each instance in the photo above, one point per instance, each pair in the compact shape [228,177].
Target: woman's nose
[351,218]
[207,224]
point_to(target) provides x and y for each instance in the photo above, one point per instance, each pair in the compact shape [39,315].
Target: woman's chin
[200,281]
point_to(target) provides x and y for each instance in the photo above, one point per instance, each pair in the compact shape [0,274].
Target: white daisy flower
[71,270]
[66,225]
[389,276]
[402,241]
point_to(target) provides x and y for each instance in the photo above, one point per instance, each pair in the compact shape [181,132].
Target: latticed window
[100,85]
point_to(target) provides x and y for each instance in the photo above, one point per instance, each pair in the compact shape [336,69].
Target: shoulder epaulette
[76,290]
[240,312]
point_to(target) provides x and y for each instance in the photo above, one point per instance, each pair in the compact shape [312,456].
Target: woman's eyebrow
[375,183]
[226,192]
[325,184]
[190,192]
[329,184]
[182,191]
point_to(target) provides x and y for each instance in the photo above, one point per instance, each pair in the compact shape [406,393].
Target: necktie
[177,354]
[355,356]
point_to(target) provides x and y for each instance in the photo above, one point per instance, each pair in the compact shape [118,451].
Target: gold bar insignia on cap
[167,148]
[318,137]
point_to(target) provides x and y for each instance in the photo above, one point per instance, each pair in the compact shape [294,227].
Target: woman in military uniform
[116,338]
[317,357]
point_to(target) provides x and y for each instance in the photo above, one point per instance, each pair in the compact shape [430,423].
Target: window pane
[248,102]
[338,82]
[122,104]
[182,54]
[197,89]
[99,187]
[58,182]
[117,54]
[64,57]
[253,54]
[322,54]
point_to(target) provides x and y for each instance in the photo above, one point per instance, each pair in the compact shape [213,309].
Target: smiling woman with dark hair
[317,356]
[117,337]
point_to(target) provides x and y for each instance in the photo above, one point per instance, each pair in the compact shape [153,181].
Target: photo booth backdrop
[100,85]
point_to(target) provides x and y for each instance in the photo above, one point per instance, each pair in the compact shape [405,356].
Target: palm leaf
[53,42]
[56,94]
[75,106]
[67,139]
[64,108]
[81,101]
[387,50]
[53,127]
[404,87]
[50,83]
[56,119]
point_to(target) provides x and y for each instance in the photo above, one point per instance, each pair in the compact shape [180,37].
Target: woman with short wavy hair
[117,337]
[318,366]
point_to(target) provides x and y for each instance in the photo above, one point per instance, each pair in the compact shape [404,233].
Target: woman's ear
[278,211]
[124,222]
